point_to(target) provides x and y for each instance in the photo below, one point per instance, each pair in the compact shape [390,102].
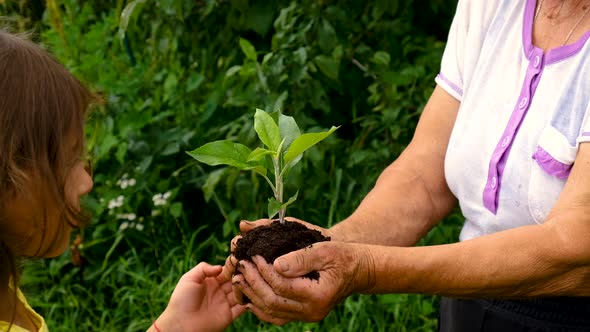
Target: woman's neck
[560,22]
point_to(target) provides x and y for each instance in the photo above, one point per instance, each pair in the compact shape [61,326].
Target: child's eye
[87,164]
[88,168]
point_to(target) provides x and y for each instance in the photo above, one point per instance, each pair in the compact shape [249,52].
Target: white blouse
[524,112]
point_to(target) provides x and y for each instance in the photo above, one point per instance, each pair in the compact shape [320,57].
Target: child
[42,177]
[203,300]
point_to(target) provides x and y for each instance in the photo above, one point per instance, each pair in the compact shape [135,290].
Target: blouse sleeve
[584,135]
[451,77]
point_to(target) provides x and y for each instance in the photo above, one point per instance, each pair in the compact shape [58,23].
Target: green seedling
[283,148]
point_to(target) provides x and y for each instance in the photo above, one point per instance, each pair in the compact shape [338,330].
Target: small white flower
[115,203]
[159,199]
[139,227]
[124,225]
[127,216]
[167,195]
[131,182]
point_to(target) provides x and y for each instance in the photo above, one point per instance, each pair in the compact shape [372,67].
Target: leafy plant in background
[284,147]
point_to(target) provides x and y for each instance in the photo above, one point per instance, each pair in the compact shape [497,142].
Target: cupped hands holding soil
[275,240]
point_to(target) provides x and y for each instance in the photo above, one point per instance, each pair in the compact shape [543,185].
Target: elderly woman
[503,135]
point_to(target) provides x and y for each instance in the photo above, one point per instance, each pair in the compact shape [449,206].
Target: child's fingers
[231,298]
[237,310]
[201,271]
[226,287]
[238,295]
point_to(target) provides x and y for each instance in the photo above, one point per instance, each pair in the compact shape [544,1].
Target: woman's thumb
[246,226]
[297,263]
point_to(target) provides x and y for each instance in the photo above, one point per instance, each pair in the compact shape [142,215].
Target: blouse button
[505,141]
[523,102]
[494,183]
[536,61]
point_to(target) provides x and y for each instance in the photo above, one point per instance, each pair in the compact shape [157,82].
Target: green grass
[131,291]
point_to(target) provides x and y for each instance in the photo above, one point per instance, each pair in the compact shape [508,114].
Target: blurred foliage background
[176,74]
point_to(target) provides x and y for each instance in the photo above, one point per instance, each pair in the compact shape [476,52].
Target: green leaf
[129,12]
[171,149]
[258,154]
[300,55]
[289,130]
[121,152]
[267,130]
[381,58]
[194,82]
[224,152]
[261,170]
[275,206]
[304,142]
[279,101]
[232,71]
[211,182]
[291,200]
[328,66]
[176,209]
[327,36]
[111,250]
[248,49]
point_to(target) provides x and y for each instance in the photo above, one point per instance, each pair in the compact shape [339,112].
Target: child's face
[29,228]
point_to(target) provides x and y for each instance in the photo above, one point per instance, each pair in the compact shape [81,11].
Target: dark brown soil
[274,240]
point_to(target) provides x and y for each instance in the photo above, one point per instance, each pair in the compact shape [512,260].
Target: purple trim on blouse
[586,133]
[452,85]
[537,62]
[555,54]
[502,150]
[551,165]
[527,27]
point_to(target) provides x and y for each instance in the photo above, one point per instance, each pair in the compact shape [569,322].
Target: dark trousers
[555,315]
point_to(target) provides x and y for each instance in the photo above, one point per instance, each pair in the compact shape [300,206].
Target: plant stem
[279,187]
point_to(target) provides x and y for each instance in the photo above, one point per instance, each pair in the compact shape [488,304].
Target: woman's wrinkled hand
[231,262]
[279,294]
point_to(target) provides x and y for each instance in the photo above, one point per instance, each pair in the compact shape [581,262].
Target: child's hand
[202,301]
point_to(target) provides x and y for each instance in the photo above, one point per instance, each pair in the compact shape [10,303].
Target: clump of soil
[276,239]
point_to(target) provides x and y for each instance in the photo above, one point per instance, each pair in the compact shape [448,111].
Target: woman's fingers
[266,317]
[262,295]
[229,268]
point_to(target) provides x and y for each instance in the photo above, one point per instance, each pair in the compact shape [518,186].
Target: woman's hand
[279,294]
[245,226]
[202,301]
